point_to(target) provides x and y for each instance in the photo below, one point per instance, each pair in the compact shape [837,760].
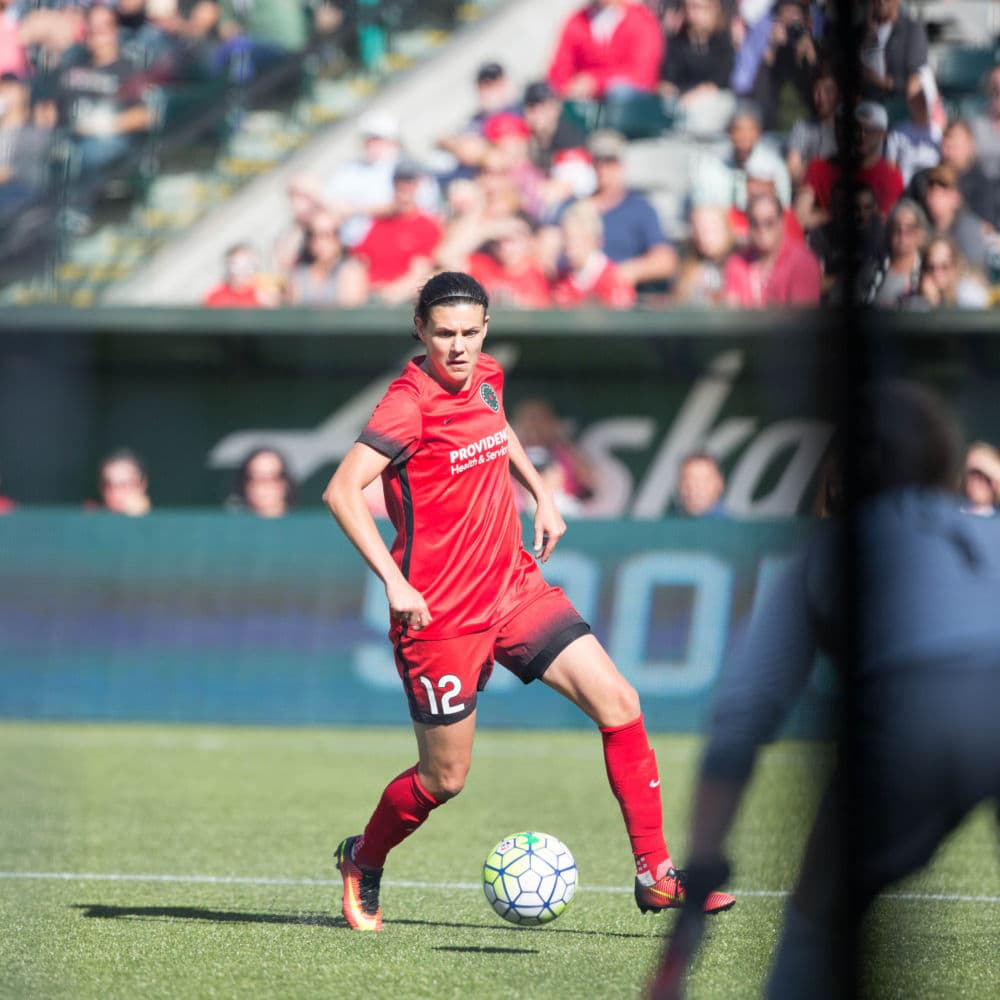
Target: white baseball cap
[872,114]
[379,125]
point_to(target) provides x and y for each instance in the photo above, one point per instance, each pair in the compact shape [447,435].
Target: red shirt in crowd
[448,456]
[740,225]
[394,241]
[883,178]
[225,297]
[630,54]
[794,279]
[599,283]
[526,288]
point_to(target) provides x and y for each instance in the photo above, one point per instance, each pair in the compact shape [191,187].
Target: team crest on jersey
[489,397]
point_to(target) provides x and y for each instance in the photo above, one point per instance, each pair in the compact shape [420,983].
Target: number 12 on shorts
[449,686]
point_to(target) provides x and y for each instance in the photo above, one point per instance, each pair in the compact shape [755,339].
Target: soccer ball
[529,878]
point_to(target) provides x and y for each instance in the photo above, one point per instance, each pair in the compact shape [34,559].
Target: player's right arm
[344,495]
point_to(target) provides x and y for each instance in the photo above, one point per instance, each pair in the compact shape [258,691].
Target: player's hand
[549,528]
[407,606]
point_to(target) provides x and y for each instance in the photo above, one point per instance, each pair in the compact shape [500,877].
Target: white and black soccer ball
[529,878]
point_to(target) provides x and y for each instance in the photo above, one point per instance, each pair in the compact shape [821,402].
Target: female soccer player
[463,591]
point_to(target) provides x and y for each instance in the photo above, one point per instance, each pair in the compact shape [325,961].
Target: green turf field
[155,861]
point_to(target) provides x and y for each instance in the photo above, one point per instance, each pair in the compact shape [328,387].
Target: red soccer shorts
[441,677]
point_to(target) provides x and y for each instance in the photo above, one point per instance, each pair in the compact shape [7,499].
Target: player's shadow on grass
[200,913]
[102,912]
[526,929]
[486,951]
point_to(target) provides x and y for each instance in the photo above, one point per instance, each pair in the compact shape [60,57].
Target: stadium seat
[636,116]
[960,69]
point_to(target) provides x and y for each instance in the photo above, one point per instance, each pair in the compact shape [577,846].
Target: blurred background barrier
[194,392]
[228,618]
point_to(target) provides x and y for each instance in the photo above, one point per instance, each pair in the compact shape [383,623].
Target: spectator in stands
[945,281]
[587,276]
[123,485]
[986,127]
[771,270]
[816,136]
[327,276]
[700,486]
[362,189]
[697,66]
[257,34]
[915,144]
[763,175]
[827,240]
[871,122]
[25,148]
[958,151]
[607,46]
[475,208]
[949,217]
[305,199]
[99,94]
[890,279]
[722,180]
[49,31]
[783,84]
[633,237]
[894,47]
[178,34]
[13,57]
[494,95]
[264,485]
[398,250]
[981,480]
[239,288]
[507,265]
[551,133]
[509,132]
[567,470]
[711,242]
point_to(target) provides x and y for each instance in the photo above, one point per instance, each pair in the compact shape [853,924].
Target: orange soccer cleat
[361,886]
[668,894]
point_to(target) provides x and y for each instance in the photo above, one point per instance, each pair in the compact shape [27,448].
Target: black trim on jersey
[543,659]
[407,496]
[384,445]
[407,685]
[416,712]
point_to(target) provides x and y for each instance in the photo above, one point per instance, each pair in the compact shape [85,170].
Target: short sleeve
[395,427]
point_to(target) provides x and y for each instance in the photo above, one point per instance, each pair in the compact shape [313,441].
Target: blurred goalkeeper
[923,744]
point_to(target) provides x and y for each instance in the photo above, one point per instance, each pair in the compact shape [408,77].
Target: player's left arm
[549,524]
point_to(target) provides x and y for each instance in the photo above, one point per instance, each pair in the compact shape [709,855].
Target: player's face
[453,336]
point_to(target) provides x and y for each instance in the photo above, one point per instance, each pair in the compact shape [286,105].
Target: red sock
[404,805]
[635,781]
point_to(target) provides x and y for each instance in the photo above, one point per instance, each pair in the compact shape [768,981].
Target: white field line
[935,897]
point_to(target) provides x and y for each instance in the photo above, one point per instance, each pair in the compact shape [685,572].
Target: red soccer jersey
[392,243]
[600,283]
[885,180]
[631,54]
[449,496]
[527,288]
[224,297]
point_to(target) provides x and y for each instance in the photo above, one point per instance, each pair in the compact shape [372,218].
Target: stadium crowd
[264,484]
[86,82]
[532,194]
